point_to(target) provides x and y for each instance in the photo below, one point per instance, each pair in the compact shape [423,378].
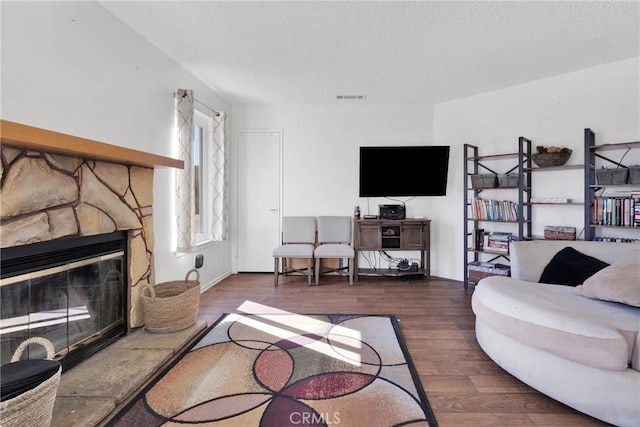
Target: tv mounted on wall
[404,171]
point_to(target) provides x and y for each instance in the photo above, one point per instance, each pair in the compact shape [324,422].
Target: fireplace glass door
[73,305]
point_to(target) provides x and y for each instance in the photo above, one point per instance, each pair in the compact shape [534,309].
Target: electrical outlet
[199,261]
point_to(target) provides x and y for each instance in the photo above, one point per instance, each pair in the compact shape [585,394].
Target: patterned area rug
[288,370]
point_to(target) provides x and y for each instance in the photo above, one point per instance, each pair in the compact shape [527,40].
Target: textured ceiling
[395,52]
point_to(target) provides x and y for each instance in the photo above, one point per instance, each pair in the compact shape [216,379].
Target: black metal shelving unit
[591,153]
[473,163]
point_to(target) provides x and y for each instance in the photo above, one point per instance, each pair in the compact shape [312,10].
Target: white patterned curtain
[185,203]
[219,178]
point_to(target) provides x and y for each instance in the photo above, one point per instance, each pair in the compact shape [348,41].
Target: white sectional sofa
[581,351]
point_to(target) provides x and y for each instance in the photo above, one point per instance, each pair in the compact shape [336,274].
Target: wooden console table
[392,235]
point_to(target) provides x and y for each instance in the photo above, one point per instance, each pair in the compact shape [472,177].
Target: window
[201,187]
[202,134]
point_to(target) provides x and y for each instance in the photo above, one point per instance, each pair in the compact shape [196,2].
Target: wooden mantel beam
[32,138]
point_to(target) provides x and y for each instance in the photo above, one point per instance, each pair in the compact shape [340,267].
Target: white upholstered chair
[298,241]
[334,241]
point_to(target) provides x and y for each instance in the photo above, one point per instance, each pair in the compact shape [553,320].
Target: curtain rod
[216,113]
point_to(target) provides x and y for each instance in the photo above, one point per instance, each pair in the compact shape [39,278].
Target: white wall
[321,152]
[72,67]
[553,111]
[321,146]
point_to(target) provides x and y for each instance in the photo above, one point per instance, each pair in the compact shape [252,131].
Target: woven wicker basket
[171,306]
[559,233]
[545,160]
[33,407]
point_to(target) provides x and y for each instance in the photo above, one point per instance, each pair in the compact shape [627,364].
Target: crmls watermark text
[308,418]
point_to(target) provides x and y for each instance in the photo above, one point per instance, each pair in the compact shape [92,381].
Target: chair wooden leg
[317,271]
[351,271]
[275,270]
[309,270]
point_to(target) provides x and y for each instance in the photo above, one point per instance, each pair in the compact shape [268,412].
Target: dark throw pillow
[570,267]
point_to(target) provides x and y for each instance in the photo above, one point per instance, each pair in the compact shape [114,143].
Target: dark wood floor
[464,387]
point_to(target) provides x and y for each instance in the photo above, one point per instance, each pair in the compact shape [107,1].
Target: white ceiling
[395,52]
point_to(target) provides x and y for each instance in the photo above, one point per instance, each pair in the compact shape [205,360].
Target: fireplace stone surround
[56,186]
[47,197]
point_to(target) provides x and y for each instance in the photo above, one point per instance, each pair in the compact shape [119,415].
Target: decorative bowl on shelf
[551,156]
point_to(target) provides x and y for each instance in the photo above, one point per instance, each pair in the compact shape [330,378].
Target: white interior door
[258,199]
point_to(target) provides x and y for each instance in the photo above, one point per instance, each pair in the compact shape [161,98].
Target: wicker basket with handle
[33,407]
[171,306]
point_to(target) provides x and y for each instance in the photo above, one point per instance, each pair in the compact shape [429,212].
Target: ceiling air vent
[351,96]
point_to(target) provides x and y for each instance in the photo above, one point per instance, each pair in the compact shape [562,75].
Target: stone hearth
[49,196]
[90,392]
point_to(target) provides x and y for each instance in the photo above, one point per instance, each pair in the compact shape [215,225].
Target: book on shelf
[634,209]
[616,211]
[477,235]
[498,241]
[557,200]
[494,210]
[616,239]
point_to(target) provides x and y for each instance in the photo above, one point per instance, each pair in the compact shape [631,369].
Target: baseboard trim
[214,282]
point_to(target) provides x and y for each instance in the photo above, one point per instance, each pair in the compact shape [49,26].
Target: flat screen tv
[404,171]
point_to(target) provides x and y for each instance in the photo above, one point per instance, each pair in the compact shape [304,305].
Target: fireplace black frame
[29,258]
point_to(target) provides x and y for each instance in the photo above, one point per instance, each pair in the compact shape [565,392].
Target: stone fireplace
[60,188]
[72,291]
